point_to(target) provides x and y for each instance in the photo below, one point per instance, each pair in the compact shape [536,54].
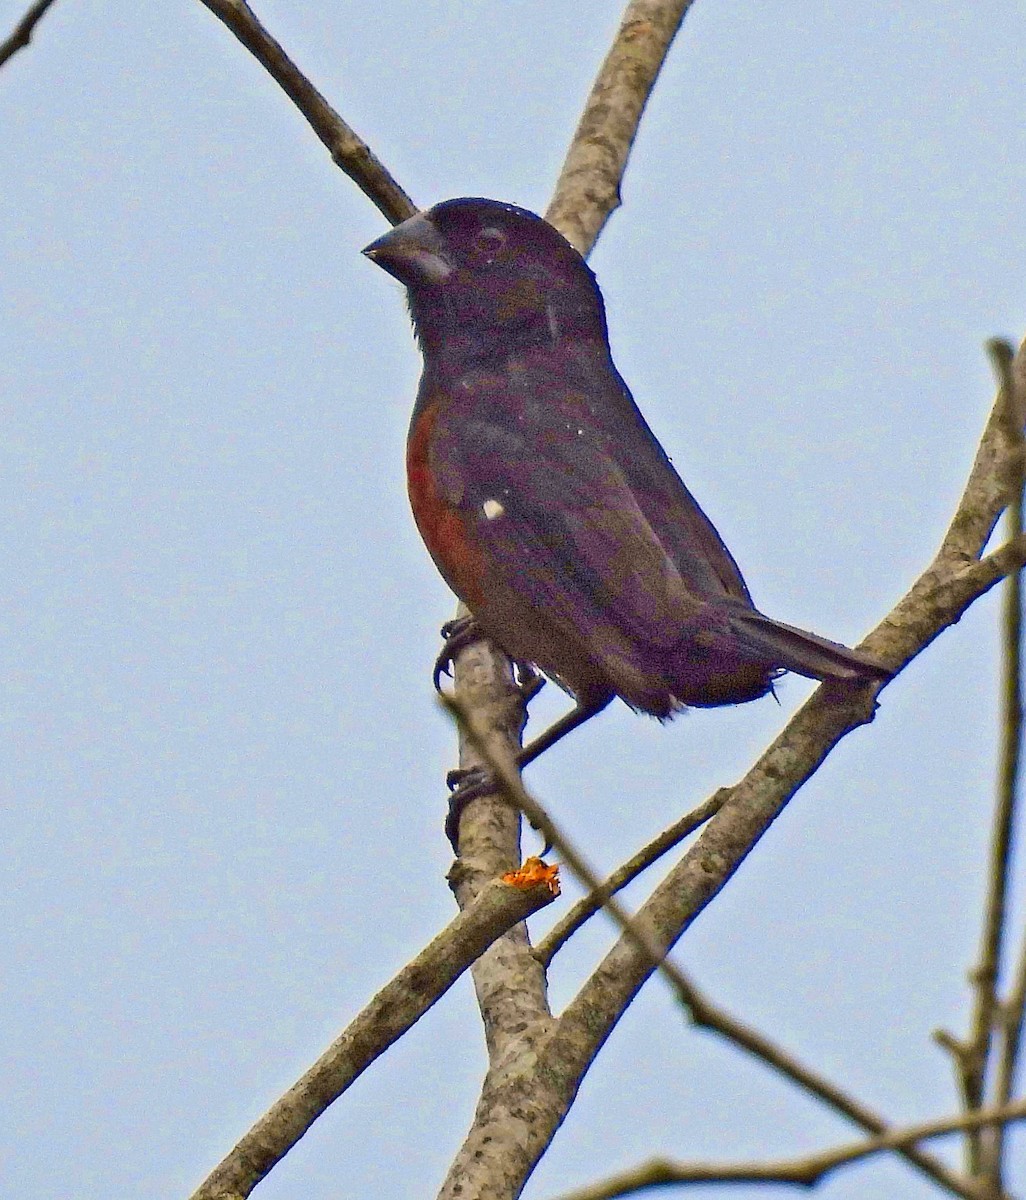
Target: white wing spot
[492,509]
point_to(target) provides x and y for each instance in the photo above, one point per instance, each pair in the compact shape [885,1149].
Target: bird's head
[487,280]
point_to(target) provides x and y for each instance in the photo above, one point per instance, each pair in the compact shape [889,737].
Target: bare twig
[804,1171]
[588,905]
[588,189]
[990,1142]
[347,149]
[1013,1012]
[972,1056]
[22,33]
[707,1015]
[390,1014]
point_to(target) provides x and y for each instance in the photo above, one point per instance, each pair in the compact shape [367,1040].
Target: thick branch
[389,1015]
[805,1171]
[347,149]
[588,189]
[22,33]
[586,193]
[508,980]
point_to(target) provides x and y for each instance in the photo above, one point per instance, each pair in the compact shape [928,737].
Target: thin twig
[347,149]
[22,33]
[398,1005]
[588,189]
[1013,1013]
[972,1056]
[494,749]
[804,1171]
[588,905]
[992,1141]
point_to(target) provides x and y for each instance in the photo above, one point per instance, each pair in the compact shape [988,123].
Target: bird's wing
[555,513]
[688,536]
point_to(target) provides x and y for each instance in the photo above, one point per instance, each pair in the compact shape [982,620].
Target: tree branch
[509,982]
[489,834]
[972,1056]
[347,149]
[387,1017]
[22,33]
[497,1157]
[805,1171]
[588,905]
[588,188]
[707,1015]
[986,1145]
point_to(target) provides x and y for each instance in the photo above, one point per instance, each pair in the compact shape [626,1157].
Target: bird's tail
[804,653]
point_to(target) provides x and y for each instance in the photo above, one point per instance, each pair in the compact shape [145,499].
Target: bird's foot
[462,632]
[458,634]
[529,680]
[464,785]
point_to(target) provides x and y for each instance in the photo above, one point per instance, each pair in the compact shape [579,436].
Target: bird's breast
[446,533]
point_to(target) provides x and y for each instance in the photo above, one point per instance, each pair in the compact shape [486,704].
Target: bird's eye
[489,242]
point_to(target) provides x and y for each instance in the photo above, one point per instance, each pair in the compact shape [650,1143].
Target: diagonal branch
[589,905]
[389,1015]
[588,189]
[497,1157]
[804,1171]
[707,1015]
[347,149]
[22,33]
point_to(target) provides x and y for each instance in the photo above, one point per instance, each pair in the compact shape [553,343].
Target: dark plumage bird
[543,496]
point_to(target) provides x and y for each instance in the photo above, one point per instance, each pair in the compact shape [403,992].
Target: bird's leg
[469,784]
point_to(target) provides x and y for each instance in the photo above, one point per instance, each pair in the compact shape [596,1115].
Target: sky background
[220,761]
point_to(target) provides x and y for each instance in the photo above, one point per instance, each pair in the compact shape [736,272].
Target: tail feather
[804,653]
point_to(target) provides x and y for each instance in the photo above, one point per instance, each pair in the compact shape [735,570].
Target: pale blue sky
[221,761]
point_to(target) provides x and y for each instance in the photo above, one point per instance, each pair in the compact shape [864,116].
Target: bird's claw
[461,632]
[465,784]
[458,634]
[529,680]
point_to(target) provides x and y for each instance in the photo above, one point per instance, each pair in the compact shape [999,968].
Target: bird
[547,503]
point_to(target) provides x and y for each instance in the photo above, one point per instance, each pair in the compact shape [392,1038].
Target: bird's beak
[413,252]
